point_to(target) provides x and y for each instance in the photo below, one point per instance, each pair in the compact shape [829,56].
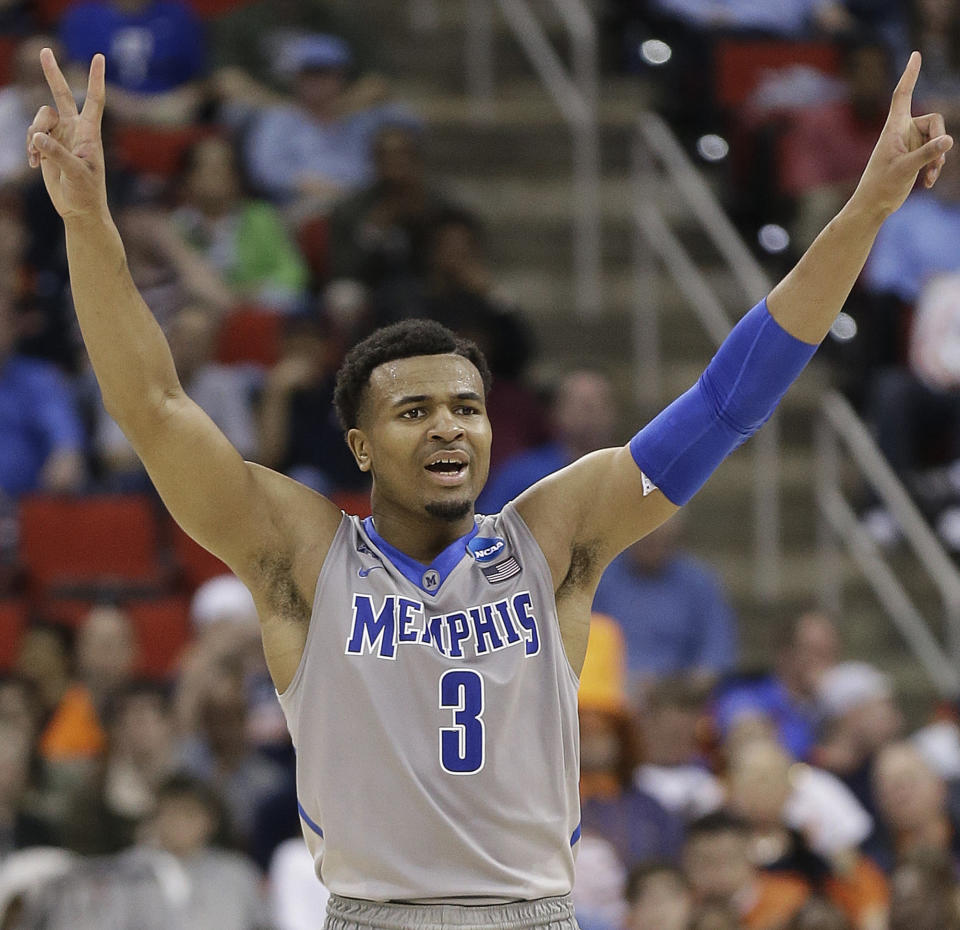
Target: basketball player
[427,657]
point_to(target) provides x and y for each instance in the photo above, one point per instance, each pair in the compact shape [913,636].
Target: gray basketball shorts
[544,914]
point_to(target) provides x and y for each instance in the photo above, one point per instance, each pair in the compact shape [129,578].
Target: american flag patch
[502,570]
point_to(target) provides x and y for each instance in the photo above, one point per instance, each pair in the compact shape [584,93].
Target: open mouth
[447,467]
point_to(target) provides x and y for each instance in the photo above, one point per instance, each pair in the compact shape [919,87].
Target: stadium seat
[194,563]
[740,64]
[211,9]
[250,334]
[353,502]
[155,150]
[90,543]
[13,619]
[313,240]
[8,48]
[163,628]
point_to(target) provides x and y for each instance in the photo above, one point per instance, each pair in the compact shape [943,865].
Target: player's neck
[419,536]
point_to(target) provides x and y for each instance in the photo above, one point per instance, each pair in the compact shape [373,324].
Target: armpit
[284,599]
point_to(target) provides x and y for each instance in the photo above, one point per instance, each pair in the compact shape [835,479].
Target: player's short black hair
[400,340]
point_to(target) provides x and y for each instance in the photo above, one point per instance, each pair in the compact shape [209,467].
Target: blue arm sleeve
[736,394]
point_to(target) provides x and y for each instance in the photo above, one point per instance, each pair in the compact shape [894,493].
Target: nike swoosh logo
[363,572]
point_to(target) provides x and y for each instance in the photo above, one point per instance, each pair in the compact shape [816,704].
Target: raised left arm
[588,512]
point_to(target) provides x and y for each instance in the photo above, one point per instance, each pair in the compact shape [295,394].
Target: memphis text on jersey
[474,631]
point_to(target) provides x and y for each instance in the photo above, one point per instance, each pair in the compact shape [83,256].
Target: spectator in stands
[19,101]
[788,696]
[45,662]
[925,892]
[582,416]
[166,270]
[106,656]
[611,805]
[935,31]
[225,623]
[223,391]
[20,705]
[223,890]
[217,749]
[817,805]
[826,145]
[315,150]
[716,861]
[912,805]
[243,240]
[672,608]
[674,769]
[769,797]
[299,432]
[104,814]
[383,232]
[248,39]
[860,717]
[41,436]
[19,827]
[156,55]
[297,895]
[658,898]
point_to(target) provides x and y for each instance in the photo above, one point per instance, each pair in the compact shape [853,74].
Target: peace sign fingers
[96,91]
[62,96]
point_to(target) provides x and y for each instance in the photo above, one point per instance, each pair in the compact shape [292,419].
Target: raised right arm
[273,532]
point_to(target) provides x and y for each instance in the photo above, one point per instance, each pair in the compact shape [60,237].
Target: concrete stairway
[514,168]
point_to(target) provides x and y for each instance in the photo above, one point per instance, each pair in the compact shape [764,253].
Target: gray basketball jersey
[434,714]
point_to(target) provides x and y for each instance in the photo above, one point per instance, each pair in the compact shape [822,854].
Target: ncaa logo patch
[486,548]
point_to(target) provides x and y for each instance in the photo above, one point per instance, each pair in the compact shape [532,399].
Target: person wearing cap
[156,50]
[859,717]
[315,148]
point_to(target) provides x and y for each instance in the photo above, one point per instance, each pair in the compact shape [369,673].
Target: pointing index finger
[62,96]
[96,90]
[903,95]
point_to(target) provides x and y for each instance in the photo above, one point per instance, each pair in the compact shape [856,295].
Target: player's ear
[357,441]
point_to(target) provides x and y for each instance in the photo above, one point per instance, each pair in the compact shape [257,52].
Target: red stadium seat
[741,63]
[353,502]
[196,565]
[8,48]
[13,619]
[89,542]
[155,150]
[250,334]
[313,239]
[163,628]
[210,9]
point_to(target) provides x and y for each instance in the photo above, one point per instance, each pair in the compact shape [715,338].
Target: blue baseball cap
[318,51]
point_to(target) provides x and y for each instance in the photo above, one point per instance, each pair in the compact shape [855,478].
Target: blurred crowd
[275,203]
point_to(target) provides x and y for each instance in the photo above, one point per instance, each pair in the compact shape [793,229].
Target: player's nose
[444,425]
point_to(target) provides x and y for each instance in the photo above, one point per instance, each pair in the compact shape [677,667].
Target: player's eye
[414,413]
[468,409]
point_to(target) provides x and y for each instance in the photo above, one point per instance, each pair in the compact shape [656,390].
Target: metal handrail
[576,96]
[654,136]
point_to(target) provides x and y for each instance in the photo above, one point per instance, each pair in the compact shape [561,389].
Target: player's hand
[67,146]
[909,146]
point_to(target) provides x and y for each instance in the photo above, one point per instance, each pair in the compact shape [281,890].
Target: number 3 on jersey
[462,746]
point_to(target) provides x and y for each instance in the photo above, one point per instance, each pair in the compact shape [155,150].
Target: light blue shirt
[675,620]
[782,17]
[286,146]
[918,242]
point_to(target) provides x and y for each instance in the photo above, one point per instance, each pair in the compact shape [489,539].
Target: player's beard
[451,511]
